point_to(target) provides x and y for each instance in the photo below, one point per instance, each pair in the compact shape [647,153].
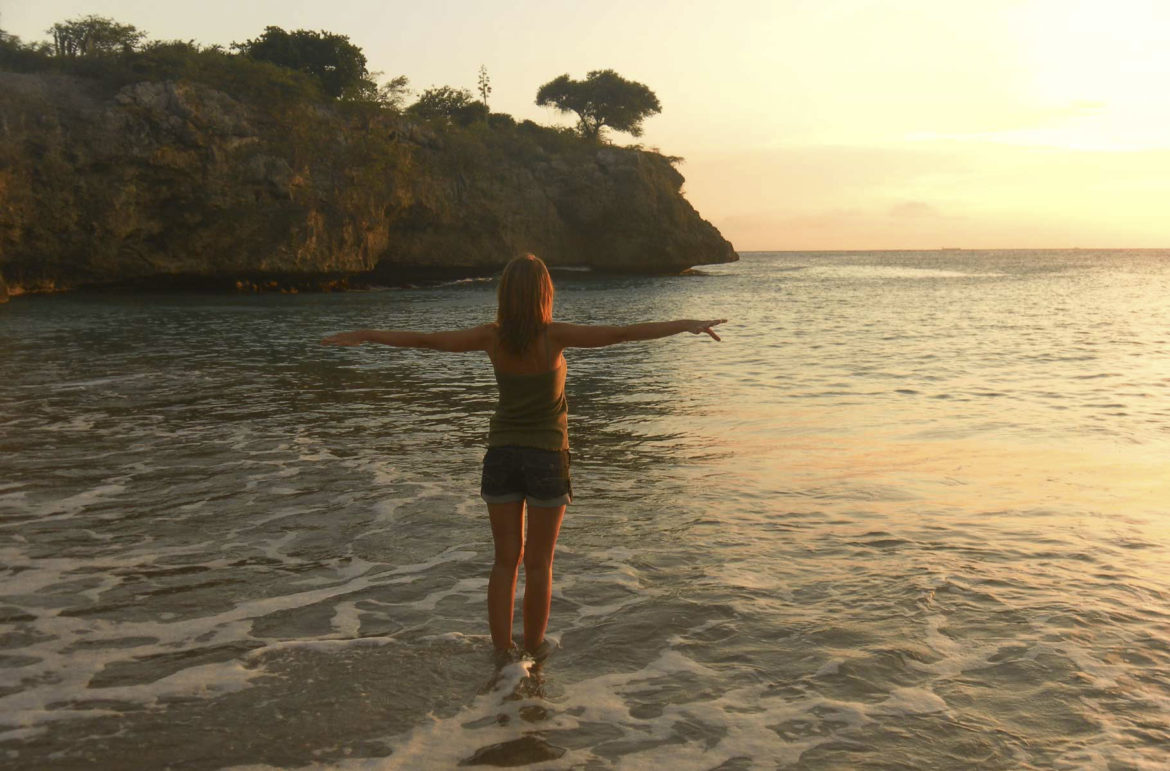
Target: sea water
[912,512]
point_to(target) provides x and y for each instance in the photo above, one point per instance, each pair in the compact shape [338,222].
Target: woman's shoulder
[557,330]
[487,332]
[491,334]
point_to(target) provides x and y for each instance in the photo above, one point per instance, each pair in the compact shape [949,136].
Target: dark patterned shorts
[513,474]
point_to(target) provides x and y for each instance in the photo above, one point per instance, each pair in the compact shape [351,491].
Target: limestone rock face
[176,182]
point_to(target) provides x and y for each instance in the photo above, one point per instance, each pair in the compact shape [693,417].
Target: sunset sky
[805,124]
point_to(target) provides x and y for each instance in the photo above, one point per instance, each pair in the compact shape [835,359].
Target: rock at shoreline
[178,184]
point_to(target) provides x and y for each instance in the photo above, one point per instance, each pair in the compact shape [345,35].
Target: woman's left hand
[699,327]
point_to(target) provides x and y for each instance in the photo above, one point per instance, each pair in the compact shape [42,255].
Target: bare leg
[544,523]
[508,534]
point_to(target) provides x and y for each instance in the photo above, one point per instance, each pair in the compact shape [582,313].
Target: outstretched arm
[454,341]
[590,336]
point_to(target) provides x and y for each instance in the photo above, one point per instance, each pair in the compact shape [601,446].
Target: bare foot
[543,651]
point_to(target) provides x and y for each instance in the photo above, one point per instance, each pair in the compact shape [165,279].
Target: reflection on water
[912,512]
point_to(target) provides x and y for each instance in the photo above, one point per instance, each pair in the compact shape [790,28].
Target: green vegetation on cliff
[168,162]
[123,61]
[334,63]
[603,99]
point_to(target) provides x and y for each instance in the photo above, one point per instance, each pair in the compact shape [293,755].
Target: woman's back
[541,355]
[532,410]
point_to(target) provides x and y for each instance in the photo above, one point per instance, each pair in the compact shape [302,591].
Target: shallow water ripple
[911,513]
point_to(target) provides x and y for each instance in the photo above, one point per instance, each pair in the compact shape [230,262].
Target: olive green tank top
[532,411]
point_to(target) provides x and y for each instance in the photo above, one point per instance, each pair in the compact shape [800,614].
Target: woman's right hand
[699,327]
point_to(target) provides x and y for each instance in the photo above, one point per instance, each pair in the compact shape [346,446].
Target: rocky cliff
[178,183]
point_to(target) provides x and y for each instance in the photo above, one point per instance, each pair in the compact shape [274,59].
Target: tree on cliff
[93,36]
[453,105]
[603,99]
[393,93]
[336,63]
[19,56]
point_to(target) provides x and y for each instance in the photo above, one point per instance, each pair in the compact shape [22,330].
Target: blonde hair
[525,298]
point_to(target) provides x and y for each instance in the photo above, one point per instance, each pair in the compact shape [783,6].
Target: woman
[527,461]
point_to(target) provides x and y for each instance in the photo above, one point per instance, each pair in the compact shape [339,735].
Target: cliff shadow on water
[175,183]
